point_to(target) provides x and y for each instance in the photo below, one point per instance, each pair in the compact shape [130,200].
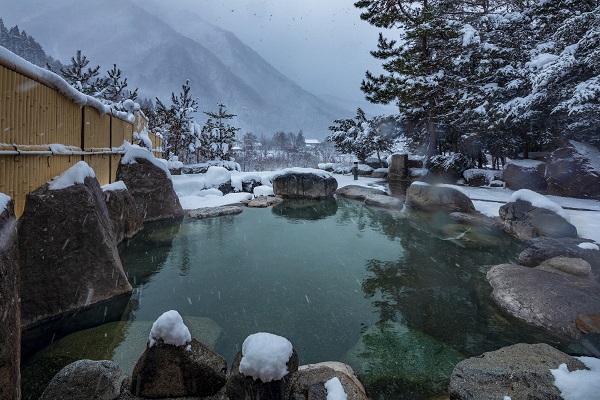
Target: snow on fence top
[538,200]
[264,356]
[170,328]
[4,199]
[74,175]
[318,172]
[49,78]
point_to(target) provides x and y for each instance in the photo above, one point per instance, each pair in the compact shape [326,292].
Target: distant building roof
[311,141]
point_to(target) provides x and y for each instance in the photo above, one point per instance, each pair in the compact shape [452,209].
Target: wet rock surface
[548,300]
[567,266]
[165,371]
[86,379]
[525,221]
[69,256]
[521,371]
[383,201]
[10,317]
[263,202]
[124,214]
[152,190]
[297,185]
[438,198]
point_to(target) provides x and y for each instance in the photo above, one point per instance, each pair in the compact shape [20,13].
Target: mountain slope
[159,52]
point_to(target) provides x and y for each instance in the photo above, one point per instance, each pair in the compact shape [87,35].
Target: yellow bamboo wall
[34,115]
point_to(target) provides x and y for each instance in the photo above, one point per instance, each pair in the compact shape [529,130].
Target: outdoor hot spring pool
[401,299]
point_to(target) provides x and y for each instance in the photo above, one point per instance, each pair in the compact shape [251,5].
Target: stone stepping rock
[211,212]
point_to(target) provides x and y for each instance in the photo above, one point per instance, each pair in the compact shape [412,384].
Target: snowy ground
[584,214]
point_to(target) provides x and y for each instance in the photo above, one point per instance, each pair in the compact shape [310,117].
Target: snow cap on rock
[74,175]
[538,200]
[584,245]
[335,390]
[118,185]
[133,151]
[170,328]
[264,356]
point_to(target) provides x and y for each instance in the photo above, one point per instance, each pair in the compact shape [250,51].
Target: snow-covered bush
[449,165]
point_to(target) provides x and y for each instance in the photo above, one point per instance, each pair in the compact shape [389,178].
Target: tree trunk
[432,132]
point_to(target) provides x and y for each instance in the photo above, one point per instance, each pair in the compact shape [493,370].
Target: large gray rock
[358,192]
[165,371]
[212,212]
[124,213]
[308,383]
[548,300]
[543,248]
[525,221]
[69,256]
[574,171]
[152,189]
[398,169]
[525,174]
[568,266]
[86,379]
[10,321]
[383,201]
[241,387]
[521,371]
[311,185]
[437,198]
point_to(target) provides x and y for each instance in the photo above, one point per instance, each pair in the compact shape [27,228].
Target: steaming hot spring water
[400,297]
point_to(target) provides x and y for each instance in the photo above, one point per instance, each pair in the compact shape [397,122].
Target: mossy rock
[390,354]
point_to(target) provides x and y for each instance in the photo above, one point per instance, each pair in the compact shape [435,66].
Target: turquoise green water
[402,299]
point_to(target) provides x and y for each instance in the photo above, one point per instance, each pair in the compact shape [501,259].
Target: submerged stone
[390,353]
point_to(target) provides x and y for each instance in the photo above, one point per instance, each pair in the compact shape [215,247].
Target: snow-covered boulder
[86,379]
[481,177]
[219,178]
[525,174]
[574,171]
[427,197]
[544,299]
[529,214]
[358,192]
[149,182]
[375,163]
[176,365]
[365,170]
[68,250]
[521,371]
[311,380]
[10,333]
[304,183]
[262,368]
[380,173]
[398,169]
[123,211]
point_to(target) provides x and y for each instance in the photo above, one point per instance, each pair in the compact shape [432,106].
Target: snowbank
[216,176]
[74,175]
[538,200]
[170,328]
[264,356]
[4,199]
[133,151]
[194,202]
[118,185]
[579,385]
[263,190]
[335,390]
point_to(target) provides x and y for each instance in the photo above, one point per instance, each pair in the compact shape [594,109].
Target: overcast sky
[323,45]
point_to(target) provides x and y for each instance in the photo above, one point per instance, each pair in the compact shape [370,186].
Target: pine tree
[116,87]
[176,125]
[419,66]
[86,82]
[217,136]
